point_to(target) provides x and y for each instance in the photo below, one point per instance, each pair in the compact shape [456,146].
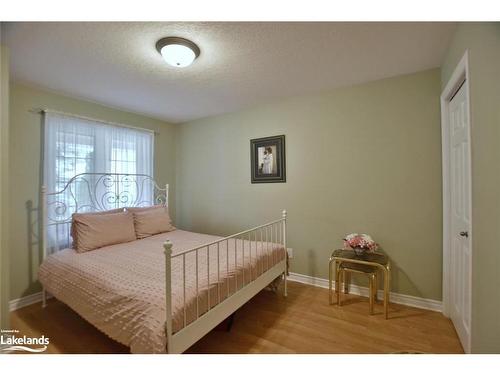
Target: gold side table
[343,262]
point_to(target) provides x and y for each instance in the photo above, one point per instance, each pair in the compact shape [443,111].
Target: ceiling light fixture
[178,52]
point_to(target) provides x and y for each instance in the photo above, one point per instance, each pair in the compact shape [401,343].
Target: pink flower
[363,241]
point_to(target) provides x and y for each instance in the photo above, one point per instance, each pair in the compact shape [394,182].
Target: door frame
[460,74]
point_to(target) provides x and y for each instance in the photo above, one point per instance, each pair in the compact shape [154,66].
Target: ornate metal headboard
[94,192]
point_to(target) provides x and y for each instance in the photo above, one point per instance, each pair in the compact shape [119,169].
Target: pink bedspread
[120,289]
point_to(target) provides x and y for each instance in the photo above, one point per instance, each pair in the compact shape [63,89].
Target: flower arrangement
[360,243]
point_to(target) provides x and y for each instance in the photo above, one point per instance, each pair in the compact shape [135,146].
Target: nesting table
[344,262]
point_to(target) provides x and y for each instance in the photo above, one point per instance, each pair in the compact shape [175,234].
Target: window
[74,154]
[74,145]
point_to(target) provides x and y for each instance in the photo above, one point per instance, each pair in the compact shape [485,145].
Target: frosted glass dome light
[178,52]
[178,55]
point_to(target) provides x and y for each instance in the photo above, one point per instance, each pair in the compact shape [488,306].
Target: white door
[460,215]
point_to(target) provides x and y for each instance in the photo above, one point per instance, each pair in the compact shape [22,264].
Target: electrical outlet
[290,252]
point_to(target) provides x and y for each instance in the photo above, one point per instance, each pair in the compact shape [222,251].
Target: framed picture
[268,159]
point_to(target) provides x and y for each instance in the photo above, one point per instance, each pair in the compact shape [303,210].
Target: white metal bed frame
[127,190]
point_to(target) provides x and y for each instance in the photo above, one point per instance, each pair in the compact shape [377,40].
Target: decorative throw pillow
[95,231]
[78,214]
[149,221]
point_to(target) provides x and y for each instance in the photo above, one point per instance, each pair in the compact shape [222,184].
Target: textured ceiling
[241,64]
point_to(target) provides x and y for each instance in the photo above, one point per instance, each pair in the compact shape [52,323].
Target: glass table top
[375,257]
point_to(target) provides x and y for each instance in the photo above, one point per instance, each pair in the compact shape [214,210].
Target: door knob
[464,234]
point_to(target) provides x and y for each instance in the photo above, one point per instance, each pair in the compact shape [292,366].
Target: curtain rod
[47,110]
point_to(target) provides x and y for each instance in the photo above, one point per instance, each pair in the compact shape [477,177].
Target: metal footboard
[263,270]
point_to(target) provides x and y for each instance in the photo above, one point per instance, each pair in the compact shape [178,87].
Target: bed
[161,293]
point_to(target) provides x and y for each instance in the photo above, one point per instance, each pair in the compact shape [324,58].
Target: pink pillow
[78,215]
[95,231]
[151,220]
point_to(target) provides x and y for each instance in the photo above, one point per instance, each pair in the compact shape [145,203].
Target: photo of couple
[268,159]
[267,162]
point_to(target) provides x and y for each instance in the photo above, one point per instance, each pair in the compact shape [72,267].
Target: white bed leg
[168,294]
[44,298]
[285,291]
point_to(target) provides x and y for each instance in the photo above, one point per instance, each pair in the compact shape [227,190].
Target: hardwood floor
[303,322]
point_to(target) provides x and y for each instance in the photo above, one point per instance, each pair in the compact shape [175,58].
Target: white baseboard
[403,299]
[18,303]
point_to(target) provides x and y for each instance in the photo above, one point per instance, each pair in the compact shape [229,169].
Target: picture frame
[267,157]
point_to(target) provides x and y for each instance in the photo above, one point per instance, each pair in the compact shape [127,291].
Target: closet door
[460,215]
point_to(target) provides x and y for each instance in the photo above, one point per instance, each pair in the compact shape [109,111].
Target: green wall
[360,159]
[25,142]
[4,194]
[483,42]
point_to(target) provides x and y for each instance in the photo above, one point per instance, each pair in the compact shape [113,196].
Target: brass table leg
[336,274]
[386,293]
[338,285]
[375,290]
[371,280]
[330,276]
[347,281]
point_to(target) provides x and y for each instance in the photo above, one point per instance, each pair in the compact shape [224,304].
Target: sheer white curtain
[74,145]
